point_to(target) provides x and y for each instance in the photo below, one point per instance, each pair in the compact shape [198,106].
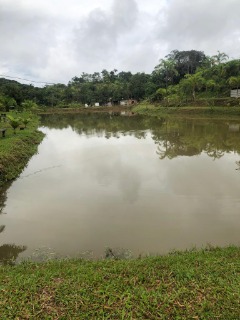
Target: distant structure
[128,102]
[234,127]
[123,103]
[235,93]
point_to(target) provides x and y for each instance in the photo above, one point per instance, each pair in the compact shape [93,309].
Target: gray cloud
[124,15]
[26,38]
[56,40]
[97,38]
[201,24]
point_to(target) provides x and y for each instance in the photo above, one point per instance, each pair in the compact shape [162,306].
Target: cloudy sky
[55,40]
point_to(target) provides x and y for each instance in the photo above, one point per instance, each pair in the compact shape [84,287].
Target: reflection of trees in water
[8,252]
[213,152]
[238,165]
[3,195]
[193,136]
[174,137]
[102,125]
[171,150]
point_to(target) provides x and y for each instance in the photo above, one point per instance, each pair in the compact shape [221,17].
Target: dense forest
[181,77]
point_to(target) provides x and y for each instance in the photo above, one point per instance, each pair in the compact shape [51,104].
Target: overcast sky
[55,40]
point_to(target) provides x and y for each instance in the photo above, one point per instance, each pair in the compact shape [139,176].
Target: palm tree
[220,57]
[192,82]
[25,121]
[14,122]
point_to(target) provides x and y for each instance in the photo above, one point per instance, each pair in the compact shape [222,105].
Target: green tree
[220,57]
[25,121]
[209,84]
[2,103]
[186,62]
[29,105]
[192,83]
[168,69]
[137,85]
[14,122]
[160,94]
[234,82]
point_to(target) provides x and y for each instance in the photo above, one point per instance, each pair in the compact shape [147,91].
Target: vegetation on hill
[181,78]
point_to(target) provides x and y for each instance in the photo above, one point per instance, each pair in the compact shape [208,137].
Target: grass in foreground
[16,149]
[190,285]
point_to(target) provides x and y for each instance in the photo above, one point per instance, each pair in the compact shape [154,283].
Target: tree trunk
[194,95]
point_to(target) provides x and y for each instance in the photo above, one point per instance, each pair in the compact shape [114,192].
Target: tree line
[180,76]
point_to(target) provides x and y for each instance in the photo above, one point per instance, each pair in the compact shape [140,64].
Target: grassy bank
[16,149]
[190,285]
[157,110]
[82,110]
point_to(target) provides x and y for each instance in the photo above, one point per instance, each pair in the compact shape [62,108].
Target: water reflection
[174,137]
[238,165]
[147,185]
[8,252]
[3,196]
[102,125]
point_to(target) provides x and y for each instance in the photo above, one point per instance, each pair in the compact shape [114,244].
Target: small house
[128,102]
[235,93]
[123,102]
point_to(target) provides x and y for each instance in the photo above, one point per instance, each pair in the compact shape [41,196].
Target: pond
[147,185]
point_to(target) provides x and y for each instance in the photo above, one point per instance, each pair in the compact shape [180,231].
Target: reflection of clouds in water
[113,171]
[129,183]
[206,197]
[202,177]
[117,192]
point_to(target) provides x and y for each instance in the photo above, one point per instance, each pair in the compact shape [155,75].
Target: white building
[235,93]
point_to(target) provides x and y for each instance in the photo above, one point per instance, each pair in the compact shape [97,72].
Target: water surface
[146,185]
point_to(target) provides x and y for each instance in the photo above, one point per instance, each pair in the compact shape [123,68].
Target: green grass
[201,284]
[17,149]
[157,110]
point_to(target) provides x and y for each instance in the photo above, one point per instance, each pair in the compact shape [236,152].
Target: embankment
[157,110]
[201,284]
[17,149]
